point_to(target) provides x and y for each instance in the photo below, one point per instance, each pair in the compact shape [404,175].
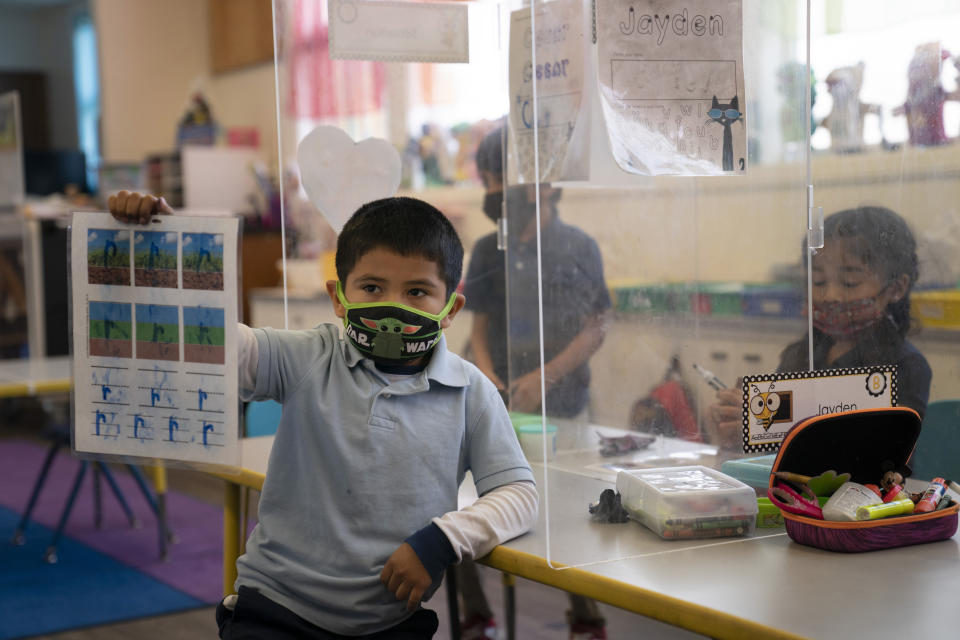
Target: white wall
[40,39]
[153,55]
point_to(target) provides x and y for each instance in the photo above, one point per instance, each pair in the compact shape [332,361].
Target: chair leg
[50,555]
[159,473]
[97,499]
[510,605]
[18,537]
[134,522]
[453,606]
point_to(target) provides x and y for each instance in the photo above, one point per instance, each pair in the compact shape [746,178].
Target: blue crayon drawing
[108,256]
[155,259]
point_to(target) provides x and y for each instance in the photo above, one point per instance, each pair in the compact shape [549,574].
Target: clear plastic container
[688,502]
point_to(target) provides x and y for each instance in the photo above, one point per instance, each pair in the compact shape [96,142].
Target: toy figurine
[891,480]
[925,96]
[792,80]
[846,118]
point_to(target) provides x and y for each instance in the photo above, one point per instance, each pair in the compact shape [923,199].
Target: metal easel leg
[18,537]
[50,555]
[119,494]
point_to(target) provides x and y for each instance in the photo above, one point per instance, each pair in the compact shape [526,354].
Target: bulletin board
[154,312]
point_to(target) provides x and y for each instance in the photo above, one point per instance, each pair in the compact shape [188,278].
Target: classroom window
[87,85]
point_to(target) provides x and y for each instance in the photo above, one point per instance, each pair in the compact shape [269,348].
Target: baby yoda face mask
[391,333]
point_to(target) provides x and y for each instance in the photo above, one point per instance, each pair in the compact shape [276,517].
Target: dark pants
[257,617]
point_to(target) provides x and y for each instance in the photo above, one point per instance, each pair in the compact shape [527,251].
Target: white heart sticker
[339,175]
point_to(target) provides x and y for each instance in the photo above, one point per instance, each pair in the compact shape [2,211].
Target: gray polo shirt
[358,465]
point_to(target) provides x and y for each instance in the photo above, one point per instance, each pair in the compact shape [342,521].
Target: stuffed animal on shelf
[846,117]
[925,96]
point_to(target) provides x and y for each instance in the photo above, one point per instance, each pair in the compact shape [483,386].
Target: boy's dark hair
[884,242]
[407,226]
[489,155]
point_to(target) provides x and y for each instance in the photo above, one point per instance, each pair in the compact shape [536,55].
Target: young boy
[358,515]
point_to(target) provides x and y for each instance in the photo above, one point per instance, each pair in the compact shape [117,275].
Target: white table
[764,586]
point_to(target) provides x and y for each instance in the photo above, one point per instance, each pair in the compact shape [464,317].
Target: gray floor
[540,609]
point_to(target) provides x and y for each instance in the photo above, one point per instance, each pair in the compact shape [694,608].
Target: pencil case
[866,443]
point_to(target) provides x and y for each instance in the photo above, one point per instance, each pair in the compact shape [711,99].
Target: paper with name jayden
[155,338]
[671,85]
[773,403]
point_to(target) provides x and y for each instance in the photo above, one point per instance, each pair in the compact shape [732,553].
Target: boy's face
[839,275]
[380,275]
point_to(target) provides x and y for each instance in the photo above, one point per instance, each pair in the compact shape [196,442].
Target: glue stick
[928,501]
[898,507]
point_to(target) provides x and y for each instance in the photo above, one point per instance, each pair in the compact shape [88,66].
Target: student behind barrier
[358,515]
[575,308]
[862,278]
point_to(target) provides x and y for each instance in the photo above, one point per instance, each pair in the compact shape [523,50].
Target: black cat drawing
[726,114]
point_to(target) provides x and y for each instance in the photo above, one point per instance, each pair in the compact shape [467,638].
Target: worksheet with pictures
[154,338]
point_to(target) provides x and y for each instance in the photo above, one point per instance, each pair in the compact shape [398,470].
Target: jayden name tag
[398,31]
[773,403]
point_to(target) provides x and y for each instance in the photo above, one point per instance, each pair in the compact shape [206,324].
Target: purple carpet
[194,565]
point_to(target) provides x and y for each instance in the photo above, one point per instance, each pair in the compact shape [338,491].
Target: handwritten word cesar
[546,71]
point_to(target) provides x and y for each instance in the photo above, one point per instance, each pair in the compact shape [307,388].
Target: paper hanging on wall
[155,338]
[398,31]
[773,403]
[339,174]
[11,151]
[557,74]
[671,85]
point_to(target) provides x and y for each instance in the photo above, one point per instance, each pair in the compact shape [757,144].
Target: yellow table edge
[231,519]
[16,389]
[651,604]
[680,613]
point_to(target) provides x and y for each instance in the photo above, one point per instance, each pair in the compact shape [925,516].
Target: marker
[900,506]
[710,378]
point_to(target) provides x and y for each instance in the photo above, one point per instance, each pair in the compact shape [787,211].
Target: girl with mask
[862,278]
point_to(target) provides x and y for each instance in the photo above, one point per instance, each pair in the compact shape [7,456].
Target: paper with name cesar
[671,85]
[398,31]
[155,338]
[773,403]
[557,75]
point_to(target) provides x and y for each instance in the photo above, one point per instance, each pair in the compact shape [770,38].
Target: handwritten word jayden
[679,23]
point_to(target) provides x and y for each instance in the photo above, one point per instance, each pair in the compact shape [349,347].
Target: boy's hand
[405,576]
[136,208]
[525,392]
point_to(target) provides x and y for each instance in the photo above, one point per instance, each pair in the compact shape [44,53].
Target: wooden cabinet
[258,259]
[241,33]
